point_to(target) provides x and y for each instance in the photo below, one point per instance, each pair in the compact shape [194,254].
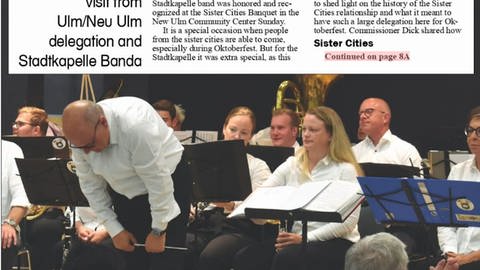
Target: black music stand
[389,170]
[314,191]
[305,203]
[219,170]
[51,182]
[272,155]
[42,147]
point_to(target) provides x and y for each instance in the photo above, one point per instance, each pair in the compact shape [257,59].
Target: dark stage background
[428,110]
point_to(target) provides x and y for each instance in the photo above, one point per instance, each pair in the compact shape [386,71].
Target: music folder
[424,201]
[325,201]
[42,147]
[51,182]
[219,170]
[272,155]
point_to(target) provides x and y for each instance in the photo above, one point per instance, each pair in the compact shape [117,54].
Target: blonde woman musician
[326,155]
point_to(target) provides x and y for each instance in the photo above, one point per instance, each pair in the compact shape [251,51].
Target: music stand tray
[51,182]
[42,147]
[389,170]
[423,201]
[272,155]
[219,170]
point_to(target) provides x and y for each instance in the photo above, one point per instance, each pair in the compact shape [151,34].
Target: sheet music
[201,136]
[183,135]
[207,136]
[281,197]
[339,198]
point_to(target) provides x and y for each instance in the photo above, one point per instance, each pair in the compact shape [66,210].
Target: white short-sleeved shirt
[13,193]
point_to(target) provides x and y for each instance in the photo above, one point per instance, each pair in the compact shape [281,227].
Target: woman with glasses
[464,243]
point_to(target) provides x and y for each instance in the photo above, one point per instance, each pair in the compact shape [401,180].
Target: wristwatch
[12,223]
[157,232]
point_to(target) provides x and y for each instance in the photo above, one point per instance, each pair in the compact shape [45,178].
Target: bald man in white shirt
[380,145]
[122,143]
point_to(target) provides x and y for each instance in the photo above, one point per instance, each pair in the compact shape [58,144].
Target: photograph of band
[146,172]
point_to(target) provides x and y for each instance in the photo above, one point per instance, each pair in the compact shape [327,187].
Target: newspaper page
[240,36]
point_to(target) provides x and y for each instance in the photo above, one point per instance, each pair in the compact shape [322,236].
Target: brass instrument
[36,211]
[315,92]
[296,102]
[315,88]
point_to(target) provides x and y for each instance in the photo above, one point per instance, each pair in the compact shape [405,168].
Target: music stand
[51,182]
[442,161]
[425,201]
[219,170]
[389,170]
[195,136]
[42,147]
[272,155]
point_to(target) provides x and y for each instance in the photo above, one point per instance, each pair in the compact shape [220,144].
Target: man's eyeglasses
[19,124]
[368,112]
[88,145]
[469,130]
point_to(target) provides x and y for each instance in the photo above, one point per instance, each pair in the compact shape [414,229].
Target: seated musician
[14,203]
[381,146]
[326,155]
[180,116]
[239,125]
[283,130]
[166,109]
[44,225]
[464,243]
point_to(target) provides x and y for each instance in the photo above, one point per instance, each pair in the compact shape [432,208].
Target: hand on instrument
[285,239]
[227,206]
